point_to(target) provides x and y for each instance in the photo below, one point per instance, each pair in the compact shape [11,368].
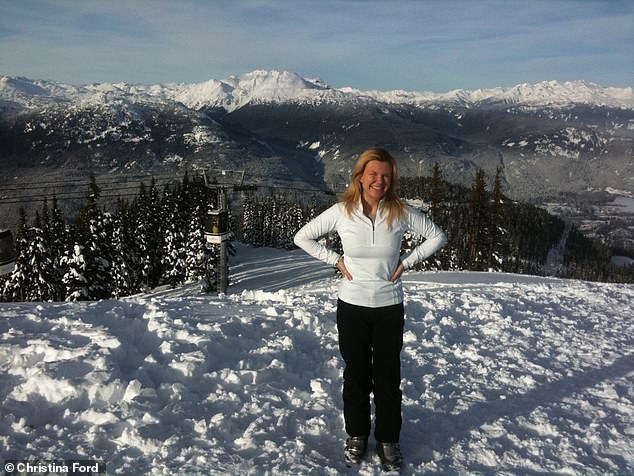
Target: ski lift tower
[216,227]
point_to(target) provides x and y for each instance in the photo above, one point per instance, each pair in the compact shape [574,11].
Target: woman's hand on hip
[341,266]
[398,272]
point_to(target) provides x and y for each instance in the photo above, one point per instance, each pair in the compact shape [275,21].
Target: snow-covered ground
[501,373]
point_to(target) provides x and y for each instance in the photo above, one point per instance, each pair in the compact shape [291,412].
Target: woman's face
[376,180]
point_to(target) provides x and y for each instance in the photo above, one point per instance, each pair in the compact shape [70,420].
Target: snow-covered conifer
[174,255]
[198,258]
[74,279]
[58,242]
[16,286]
[40,271]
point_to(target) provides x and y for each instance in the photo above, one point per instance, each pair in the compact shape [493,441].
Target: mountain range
[566,144]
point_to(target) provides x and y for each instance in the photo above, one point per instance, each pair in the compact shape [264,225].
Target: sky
[426,45]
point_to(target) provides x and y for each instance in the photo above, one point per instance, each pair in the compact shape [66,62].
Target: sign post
[218,232]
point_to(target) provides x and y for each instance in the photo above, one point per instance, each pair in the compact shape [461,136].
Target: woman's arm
[435,238]
[306,238]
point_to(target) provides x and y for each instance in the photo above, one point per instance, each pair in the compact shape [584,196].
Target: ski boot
[356,447]
[390,456]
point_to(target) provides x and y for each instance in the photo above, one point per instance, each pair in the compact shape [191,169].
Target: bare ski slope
[502,374]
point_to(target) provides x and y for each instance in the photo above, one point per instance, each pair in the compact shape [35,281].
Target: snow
[625,203]
[614,191]
[285,86]
[501,373]
[545,93]
[622,261]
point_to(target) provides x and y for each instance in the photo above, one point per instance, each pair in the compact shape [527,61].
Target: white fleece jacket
[371,251]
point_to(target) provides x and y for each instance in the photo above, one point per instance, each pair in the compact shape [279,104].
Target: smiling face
[375,180]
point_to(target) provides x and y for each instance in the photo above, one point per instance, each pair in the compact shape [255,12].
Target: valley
[566,147]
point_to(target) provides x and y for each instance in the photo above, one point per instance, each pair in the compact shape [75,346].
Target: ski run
[501,374]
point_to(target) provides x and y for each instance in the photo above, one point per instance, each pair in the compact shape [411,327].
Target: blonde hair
[391,201]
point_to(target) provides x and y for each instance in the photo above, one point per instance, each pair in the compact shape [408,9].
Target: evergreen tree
[251,224]
[437,193]
[46,222]
[174,256]
[40,271]
[157,244]
[198,259]
[58,242]
[87,213]
[75,282]
[31,278]
[293,221]
[312,211]
[269,214]
[496,251]
[479,231]
[16,287]
[122,276]
[127,214]
[97,249]
[94,238]
[148,237]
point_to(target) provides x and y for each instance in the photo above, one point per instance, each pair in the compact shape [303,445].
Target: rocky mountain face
[565,145]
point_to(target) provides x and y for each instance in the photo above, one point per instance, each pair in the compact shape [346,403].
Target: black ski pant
[370,342]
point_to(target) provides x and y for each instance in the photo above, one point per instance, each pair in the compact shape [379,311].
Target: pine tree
[294,220]
[497,231]
[312,211]
[174,265]
[40,270]
[437,193]
[147,239]
[16,287]
[87,212]
[95,241]
[157,243]
[97,256]
[269,211]
[251,226]
[198,259]
[58,242]
[126,214]
[479,226]
[75,281]
[41,273]
[123,282]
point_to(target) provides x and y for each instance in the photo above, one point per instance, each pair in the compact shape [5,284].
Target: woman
[371,220]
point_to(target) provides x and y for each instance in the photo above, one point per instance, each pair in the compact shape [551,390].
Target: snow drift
[503,373]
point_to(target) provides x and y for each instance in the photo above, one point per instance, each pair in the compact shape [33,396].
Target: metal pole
[223,268]
[223,262]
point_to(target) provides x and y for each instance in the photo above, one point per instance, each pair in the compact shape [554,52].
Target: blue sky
[433,45]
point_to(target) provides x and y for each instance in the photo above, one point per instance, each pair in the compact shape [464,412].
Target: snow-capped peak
[29,93]
[546,93]
[256,86]
[270,86]
[284,86]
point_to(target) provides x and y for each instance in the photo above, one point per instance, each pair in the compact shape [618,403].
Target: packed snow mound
[501,374]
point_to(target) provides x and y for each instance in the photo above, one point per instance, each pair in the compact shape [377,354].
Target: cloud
[438,45]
